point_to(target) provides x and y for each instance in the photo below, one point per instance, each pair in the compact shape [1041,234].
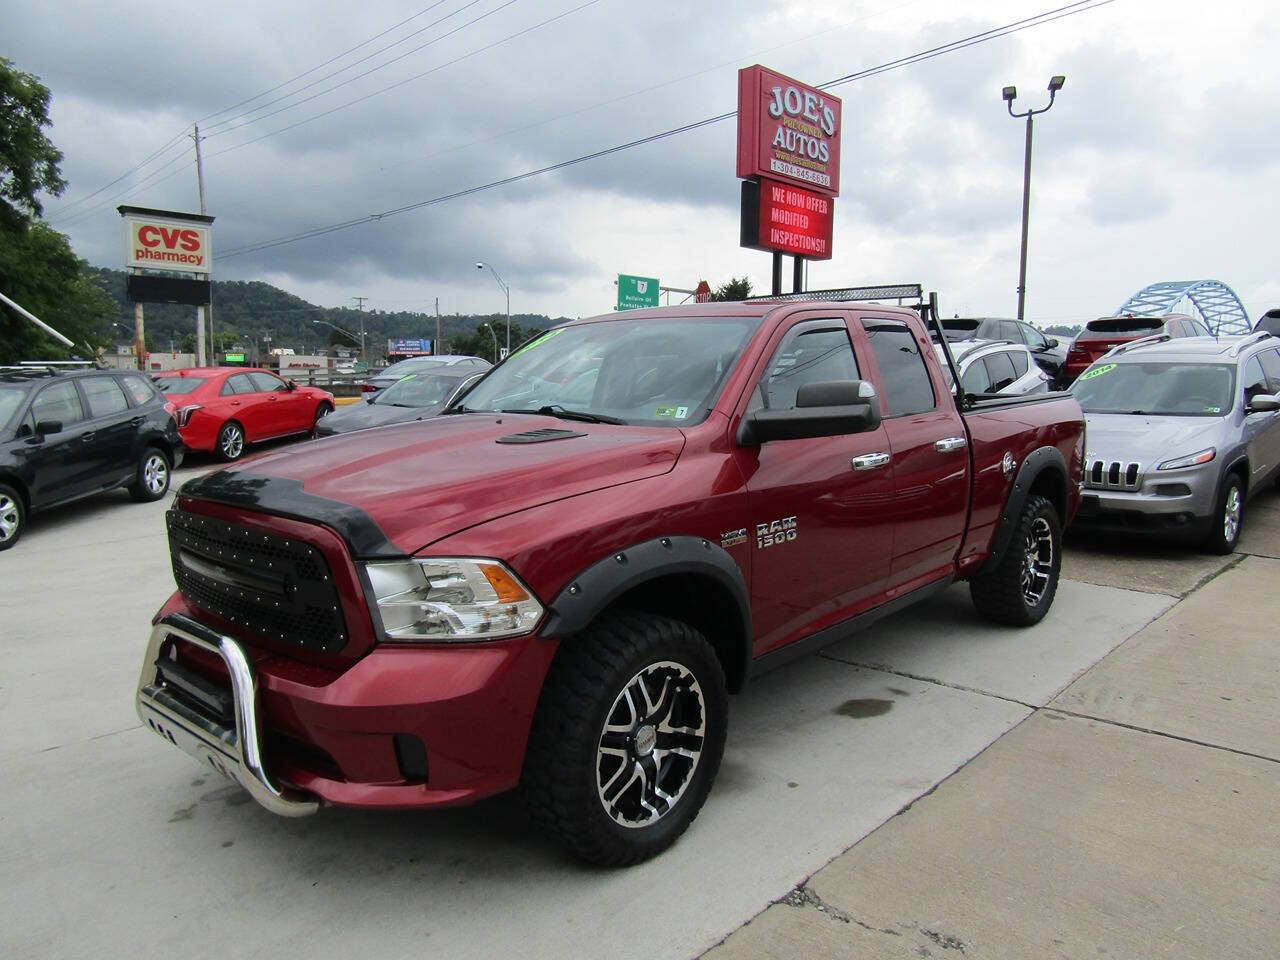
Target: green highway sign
[637,292]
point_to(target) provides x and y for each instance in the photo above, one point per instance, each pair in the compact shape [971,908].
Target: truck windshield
[654,372]
[1159,389]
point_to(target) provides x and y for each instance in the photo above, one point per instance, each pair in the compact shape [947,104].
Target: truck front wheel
[1020,590]
[627,737]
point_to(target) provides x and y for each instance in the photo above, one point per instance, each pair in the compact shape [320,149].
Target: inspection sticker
[1090,374]
[678,413]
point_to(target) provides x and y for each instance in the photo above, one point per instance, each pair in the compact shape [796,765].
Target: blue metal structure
[1217,304]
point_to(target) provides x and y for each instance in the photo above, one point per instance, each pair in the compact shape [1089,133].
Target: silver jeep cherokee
[1179,434]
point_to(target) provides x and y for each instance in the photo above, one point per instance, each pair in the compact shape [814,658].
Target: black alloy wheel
[1021,588]
[627,737]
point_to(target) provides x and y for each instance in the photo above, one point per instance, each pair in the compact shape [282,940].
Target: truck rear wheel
[1020,590]
[627,737]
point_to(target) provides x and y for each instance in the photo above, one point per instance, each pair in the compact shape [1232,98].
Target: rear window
[1120,327]
[178,385]
[139,389]
[907,386]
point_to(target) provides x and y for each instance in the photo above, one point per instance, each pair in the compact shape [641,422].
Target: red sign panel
[778,216]
[788,131]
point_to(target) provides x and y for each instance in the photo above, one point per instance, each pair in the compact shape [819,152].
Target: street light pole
[495,340]
[480,265]
[358,341]
[1009,93]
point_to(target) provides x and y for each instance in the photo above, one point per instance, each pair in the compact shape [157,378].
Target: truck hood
[418,482]
[1145,439]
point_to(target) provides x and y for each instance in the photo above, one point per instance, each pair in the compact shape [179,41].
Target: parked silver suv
[1179,434]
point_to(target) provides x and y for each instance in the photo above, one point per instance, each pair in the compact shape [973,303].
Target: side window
[104,395]
[810,353]
[140,389]
[1000,370]
[1019,361]
[975,379]
[1255,381]
[907,387]
[1011,330]
[1035,339]
[1271,367]
[58,401]
[240,383]
[266,383]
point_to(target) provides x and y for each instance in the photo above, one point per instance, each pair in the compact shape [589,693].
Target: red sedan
[224,408]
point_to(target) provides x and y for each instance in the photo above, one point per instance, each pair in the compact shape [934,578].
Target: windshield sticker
[1090,374]
[1211,410]
[541,340]
[678,413]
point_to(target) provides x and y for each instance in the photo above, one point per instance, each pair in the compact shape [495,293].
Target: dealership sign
[637,292]
[779,216]
[165,240]
[416,348]
[788,131]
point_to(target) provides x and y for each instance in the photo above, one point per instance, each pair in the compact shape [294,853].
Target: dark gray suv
[1180,434]
[67,434]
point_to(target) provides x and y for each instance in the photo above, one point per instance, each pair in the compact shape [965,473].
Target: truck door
[927,438]
[820,534]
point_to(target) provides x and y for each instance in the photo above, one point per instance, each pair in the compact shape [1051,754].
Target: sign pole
[200,312]
[777,273]
[797,275]
[139,336]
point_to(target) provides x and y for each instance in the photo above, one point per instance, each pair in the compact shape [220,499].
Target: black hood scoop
[544,435]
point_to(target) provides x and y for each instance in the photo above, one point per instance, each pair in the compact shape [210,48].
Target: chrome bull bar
[234,751]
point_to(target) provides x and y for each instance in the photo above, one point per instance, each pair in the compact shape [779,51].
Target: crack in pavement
[803,895]
[884,668]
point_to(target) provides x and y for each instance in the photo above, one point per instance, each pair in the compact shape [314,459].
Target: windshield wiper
[555,410]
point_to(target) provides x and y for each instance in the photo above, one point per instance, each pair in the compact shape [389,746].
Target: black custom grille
[272,585]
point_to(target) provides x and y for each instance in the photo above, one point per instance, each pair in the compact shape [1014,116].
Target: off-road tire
[1001,594]
[153,476]
[1219,541]
[13,516]
[560,785]
[228,451]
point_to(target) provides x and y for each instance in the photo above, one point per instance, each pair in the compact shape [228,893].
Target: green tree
[480,343]
[28,160]
[39,271]
[738,288]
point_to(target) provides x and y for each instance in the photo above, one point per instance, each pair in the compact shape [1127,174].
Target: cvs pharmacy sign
[164,240]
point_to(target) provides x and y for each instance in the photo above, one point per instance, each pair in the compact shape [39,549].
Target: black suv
[70,433]
[1050,357]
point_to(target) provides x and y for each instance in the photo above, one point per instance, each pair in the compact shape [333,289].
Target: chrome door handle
[950,443]
[870,461]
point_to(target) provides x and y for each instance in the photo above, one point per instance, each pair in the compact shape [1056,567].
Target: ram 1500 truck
[554,585]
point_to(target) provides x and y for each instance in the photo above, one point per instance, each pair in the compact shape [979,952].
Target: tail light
[183,415]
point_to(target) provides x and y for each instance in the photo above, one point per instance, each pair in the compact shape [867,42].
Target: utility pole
[360,306]
[435,344]
[200,312]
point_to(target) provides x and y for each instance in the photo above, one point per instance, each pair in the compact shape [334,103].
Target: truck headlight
[450,599]
[1192,460]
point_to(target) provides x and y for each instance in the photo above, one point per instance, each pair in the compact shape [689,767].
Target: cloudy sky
[1157,162]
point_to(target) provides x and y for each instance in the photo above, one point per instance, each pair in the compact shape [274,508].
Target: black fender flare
[591,591]
[1036,464]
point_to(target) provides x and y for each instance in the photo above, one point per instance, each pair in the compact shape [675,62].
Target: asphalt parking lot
[113,844]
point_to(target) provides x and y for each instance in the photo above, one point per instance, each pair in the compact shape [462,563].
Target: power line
[61,211]
[321,66]
[419,76]
[1049,16]
[341,70]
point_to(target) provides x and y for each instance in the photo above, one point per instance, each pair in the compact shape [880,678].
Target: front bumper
[305,734]
[1177,503]
[235,749]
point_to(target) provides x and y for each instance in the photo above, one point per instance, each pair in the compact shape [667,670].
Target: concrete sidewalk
[1136,816]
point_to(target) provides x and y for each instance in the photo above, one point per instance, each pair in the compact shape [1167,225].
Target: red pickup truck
[554,585]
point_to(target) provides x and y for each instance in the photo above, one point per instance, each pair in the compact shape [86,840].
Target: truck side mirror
[830,408]
[1051,341]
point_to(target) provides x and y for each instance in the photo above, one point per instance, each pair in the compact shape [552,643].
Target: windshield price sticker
[1090,374]
[678,413]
